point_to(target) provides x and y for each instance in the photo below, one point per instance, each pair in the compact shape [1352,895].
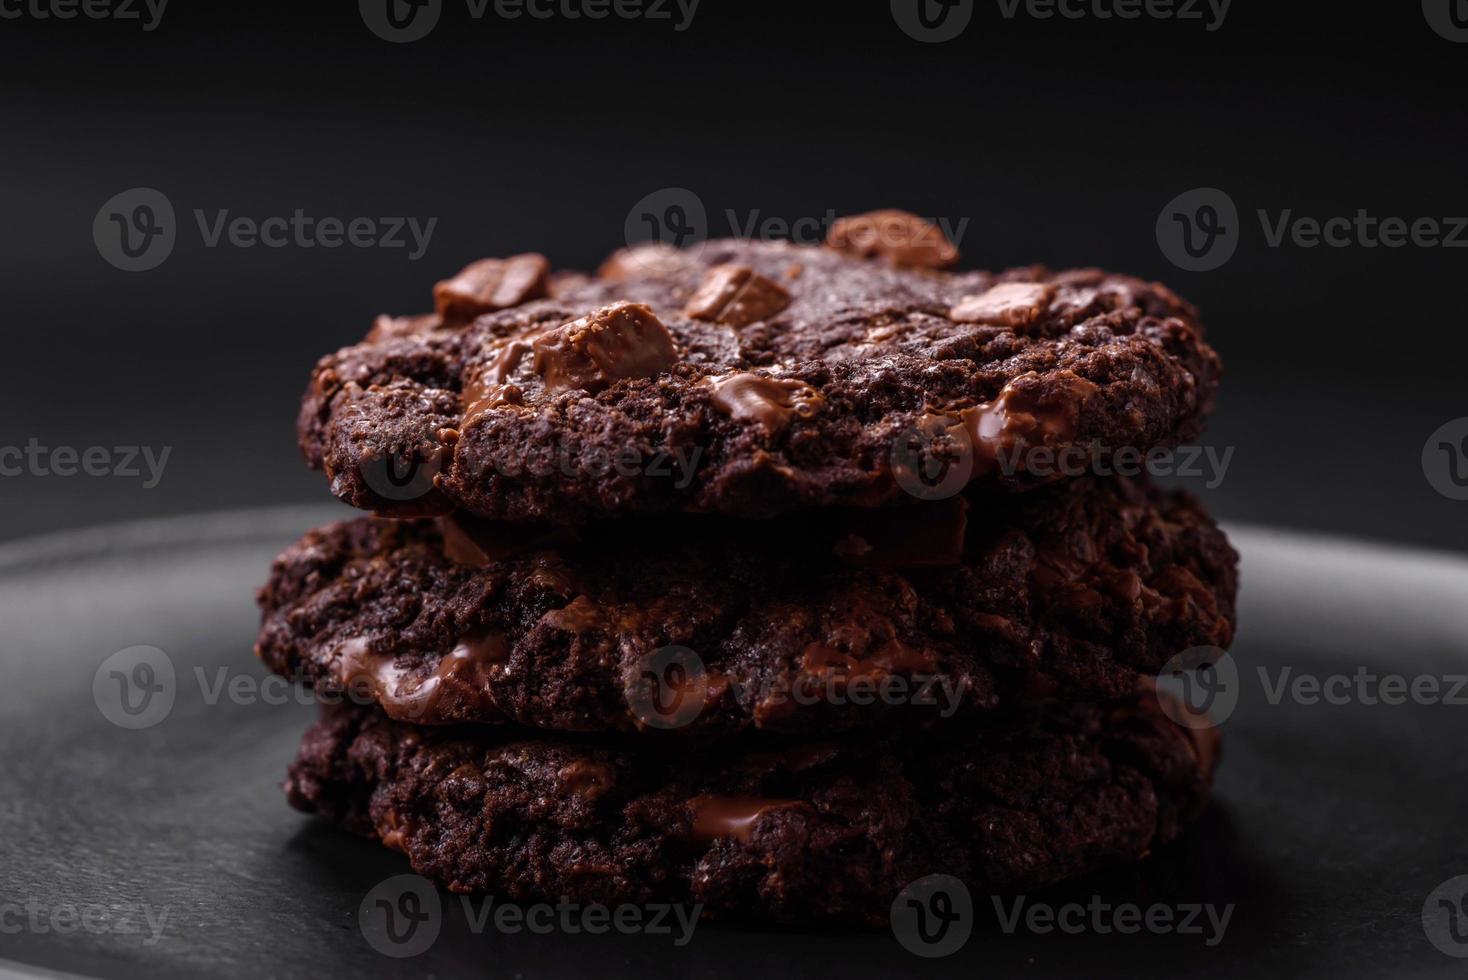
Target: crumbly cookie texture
[805,831]
[814,623]
[749,379]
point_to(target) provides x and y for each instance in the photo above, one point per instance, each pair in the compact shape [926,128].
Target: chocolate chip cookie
[750,379]
[803,831]
[816,622]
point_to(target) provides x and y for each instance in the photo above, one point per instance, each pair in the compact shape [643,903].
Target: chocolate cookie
[751,379]
[816,622]
[795,832]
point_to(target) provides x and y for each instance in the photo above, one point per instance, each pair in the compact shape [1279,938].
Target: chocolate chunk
[737,296]
[772,402]
[1008,304]
[624,340]
[717,817]
[458,685]
[491,284]
[903,239]
[1036,413]
[396,327]
[642,260]
[587,778]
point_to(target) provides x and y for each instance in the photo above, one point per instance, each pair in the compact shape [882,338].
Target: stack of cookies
[749,575]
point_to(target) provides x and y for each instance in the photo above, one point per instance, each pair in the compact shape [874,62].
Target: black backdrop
[1059,140]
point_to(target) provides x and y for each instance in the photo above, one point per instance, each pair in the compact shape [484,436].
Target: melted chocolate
[772,402]
[718,817]
[585,778]
[1019,417]
[577,616]
[490,389]
[456,685]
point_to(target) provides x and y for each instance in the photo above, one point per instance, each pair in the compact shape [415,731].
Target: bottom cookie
[807,831]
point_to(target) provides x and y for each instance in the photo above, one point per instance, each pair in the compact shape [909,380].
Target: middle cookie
[819,622]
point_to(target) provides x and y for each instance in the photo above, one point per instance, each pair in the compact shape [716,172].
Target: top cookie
[751,378]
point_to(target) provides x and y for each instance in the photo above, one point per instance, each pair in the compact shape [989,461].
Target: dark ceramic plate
[168,850]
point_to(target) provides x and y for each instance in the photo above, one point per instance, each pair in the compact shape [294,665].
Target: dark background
[1060,142]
